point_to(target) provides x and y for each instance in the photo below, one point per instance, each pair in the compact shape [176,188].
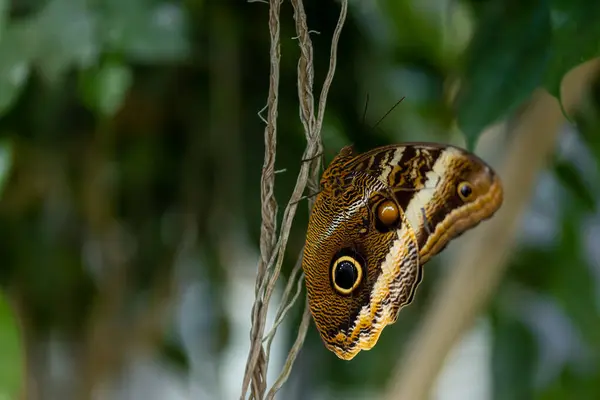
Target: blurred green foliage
[123,123]
[11,348]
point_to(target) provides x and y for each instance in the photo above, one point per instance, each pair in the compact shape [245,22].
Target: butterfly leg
[312,158]
[308,196]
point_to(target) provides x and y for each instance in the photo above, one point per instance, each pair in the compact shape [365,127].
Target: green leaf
[15,56]
[574,286]
[104,89]
[575,38]
[571,179]
[65,32]
[414,28]
[3,15]
[11,362]
[505,61]
[6,158]
[145,32]
[514,355]
[572,384]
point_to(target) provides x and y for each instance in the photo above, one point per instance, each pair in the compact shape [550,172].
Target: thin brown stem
[272,253]
[268,201]
[289,362]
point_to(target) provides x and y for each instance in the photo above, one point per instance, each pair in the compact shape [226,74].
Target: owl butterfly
[379,217]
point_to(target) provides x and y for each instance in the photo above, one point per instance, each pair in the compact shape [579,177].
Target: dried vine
[272,246]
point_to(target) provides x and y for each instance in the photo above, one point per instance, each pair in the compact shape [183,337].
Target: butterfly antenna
[389,111]
[365,110]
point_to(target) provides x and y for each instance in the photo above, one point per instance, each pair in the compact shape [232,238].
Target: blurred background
[130,157]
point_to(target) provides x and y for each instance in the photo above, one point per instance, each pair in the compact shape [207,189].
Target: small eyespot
[388,213]
[346,274]
[465,190]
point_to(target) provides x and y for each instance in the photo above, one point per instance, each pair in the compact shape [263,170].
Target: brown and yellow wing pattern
[380,216]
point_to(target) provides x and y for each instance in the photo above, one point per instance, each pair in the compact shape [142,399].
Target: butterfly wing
[435,192]
[426,179]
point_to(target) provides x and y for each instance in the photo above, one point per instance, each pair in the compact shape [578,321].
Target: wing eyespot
[388,212]
[387,216]
[465,191]
[346,274]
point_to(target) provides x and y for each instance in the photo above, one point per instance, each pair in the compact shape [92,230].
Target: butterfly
[378,218]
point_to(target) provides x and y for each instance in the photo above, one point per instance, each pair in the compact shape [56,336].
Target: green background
[130,160]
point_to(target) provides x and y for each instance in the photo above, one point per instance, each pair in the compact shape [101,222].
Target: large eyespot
[346,274]
[465,190]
